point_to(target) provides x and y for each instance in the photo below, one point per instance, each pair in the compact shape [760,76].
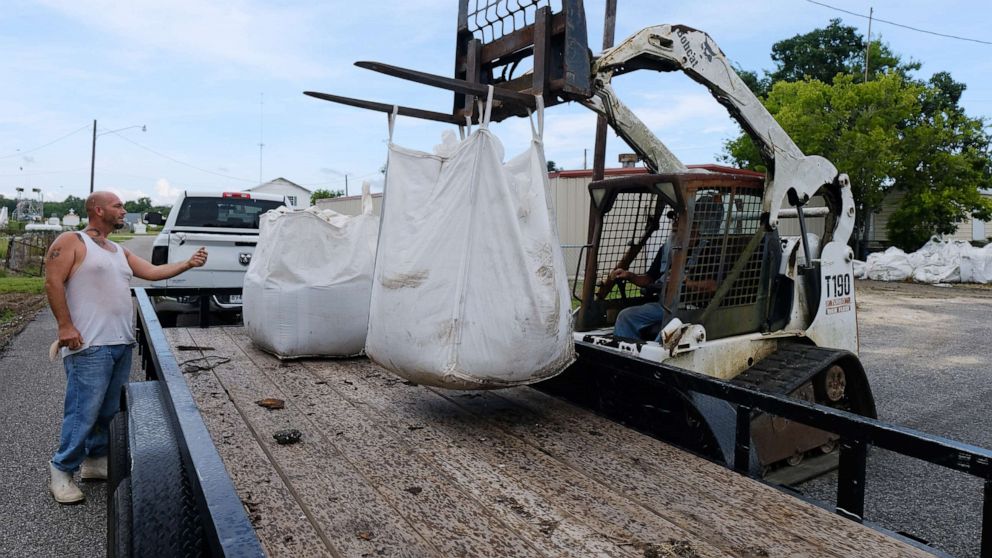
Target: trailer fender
[164,517]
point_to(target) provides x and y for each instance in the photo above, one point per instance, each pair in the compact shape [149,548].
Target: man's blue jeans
[631,321]
[94,377]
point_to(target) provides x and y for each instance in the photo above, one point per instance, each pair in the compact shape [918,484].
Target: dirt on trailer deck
[384,467]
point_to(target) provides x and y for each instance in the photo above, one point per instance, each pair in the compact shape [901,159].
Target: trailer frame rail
[857,433]
[228,530]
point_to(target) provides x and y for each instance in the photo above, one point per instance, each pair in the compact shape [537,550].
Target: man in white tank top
[87,280]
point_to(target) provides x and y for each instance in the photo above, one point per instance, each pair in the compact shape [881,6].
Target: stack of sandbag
[937,261]
[976,265]
[470,288]
[307,289]
[890,265]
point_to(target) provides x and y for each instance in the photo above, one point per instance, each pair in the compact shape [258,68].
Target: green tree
[878,134]
[321,194]
[553,167]
[901,133]
[949,158]
[141,205]
[822,54]
[9,203]
[758,85]
[75,203]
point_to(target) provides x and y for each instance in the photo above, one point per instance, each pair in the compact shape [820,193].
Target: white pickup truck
[226,224]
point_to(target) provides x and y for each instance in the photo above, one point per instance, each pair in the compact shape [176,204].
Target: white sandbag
[976,265]
[890,265]
[307,289]
[860,269]
[470,288]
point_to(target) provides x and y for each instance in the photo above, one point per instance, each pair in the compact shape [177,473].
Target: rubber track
[787,369]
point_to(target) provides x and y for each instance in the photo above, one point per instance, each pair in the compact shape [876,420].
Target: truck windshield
[235,213]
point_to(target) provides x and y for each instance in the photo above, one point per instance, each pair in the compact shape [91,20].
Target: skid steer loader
[743,301]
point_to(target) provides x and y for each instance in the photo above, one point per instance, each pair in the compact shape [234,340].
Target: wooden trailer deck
[387,468]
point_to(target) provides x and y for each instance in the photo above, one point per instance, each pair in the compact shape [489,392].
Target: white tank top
[99,298]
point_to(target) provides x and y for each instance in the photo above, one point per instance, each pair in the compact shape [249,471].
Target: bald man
[87,281]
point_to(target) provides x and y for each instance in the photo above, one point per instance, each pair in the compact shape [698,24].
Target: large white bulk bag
[470,288]
[890,265]
[976,265]
[307,289]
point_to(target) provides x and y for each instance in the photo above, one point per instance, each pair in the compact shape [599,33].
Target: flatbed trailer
[388,468]
[384,467]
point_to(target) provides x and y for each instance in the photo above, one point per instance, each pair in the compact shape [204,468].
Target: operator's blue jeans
[631,321]
[94,377]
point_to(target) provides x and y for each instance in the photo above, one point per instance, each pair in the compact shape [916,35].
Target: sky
[185,91]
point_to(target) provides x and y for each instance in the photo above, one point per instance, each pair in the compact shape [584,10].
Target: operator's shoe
[63,489]
[93,468]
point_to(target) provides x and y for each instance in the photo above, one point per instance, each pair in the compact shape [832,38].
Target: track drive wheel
[831,384]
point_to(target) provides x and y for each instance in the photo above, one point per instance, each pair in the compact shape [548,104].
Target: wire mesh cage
[538,47]
[724,221]
[489,20]
[637,221]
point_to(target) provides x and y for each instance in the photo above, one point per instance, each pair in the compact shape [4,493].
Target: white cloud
[165,193]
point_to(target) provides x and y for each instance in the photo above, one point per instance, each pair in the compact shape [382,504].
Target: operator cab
[722,266]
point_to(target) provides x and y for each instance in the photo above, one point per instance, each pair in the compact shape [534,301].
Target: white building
[299,197]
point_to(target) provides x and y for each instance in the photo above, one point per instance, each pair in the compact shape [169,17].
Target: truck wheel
[118,461]
[119,520]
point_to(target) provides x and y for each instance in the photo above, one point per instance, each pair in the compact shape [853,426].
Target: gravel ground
[926,352]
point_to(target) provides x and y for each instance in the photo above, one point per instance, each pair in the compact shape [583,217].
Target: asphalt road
[926,352]
[31,523]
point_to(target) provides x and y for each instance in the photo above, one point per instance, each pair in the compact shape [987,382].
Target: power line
[901,25]
[18,153]
[177,161]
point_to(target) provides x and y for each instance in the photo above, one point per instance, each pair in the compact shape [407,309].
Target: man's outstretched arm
[144,269]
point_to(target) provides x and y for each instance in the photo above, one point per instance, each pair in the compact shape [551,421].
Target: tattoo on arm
[55,253]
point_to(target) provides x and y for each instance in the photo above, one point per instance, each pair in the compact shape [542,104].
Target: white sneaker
[93,468]
[63,489]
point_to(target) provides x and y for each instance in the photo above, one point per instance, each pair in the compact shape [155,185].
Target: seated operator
[633,321]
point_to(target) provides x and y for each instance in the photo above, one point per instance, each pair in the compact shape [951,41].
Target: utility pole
[346,184]
[93,148]
[93,156]
[871,11]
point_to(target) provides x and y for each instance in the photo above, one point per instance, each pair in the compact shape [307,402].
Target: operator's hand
[70,337]
[199,258]
[620,274]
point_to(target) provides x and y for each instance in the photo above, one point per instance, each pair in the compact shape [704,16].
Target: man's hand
[199,258]
[620,274]
[69,337]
